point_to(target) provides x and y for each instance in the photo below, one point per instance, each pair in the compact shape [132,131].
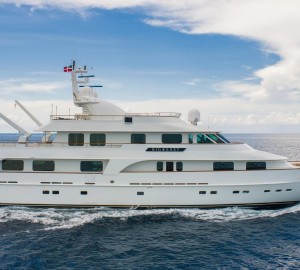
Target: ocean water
[99,238]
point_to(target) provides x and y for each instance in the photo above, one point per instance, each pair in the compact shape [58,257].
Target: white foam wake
[70,218]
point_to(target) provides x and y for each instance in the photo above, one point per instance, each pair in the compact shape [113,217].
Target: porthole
[202,192]
[46,192]
[55,192]
[289,189]
[278,190]
[267,190]
[140,193]
[245,191]
[83,193]
[236,192]
[213,192]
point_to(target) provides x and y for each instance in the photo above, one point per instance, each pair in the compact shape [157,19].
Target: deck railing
[109,145]
[112,117]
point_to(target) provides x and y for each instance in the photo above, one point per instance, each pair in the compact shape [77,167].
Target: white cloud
[21,85]
[192,82]
[251,92]
[274,23]
[41,109]
[226,114]
[271,97]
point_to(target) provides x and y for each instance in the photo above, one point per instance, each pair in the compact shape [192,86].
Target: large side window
[201,138]
[256,165]
[97,139]
[91,166]
[191,138]
[12,165]
[138,138]
[43,165]
[76,139]
[171,138]
[223,166]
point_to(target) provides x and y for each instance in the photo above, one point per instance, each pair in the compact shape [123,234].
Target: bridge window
[76,139]
[138,138]
[201,138]
[12,165]
[223,138]
[91,166]
[171,138]
[215,138]
[255,165]
[97,139]
[43,165]
[223,166]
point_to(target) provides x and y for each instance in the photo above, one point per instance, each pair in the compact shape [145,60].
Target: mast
[84,94]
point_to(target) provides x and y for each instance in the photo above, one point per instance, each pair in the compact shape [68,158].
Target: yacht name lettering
[164,149]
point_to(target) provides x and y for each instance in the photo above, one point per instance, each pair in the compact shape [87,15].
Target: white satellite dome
[194,116]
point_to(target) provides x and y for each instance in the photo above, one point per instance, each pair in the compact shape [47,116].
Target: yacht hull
[192,189]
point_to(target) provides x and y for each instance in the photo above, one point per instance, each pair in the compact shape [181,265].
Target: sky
[236,61]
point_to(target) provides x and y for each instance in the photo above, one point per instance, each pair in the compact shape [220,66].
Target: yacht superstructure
[107,157]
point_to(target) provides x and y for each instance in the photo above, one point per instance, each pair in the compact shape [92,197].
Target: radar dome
[194,116]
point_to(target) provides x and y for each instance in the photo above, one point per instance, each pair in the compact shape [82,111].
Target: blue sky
[139,56]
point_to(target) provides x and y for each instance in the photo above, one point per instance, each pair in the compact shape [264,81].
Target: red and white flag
[68,69]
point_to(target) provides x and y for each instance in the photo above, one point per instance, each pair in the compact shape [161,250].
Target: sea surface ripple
[102,238]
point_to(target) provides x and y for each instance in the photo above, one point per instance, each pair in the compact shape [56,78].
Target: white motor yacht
[107,157]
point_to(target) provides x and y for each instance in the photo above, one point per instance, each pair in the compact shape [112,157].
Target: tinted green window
[179,166]
[91,166]
[223,166]
[223,138]
[138,138]
[76,139]
[201,138]
[171,138]
[12,165]
[43,165]
[97,139]
[190,138]
[256,165]
[160,166]
[215,138]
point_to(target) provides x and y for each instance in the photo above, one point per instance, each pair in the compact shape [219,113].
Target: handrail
[109,145]
[88,116]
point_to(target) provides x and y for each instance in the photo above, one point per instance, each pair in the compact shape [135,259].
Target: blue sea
[99,238]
